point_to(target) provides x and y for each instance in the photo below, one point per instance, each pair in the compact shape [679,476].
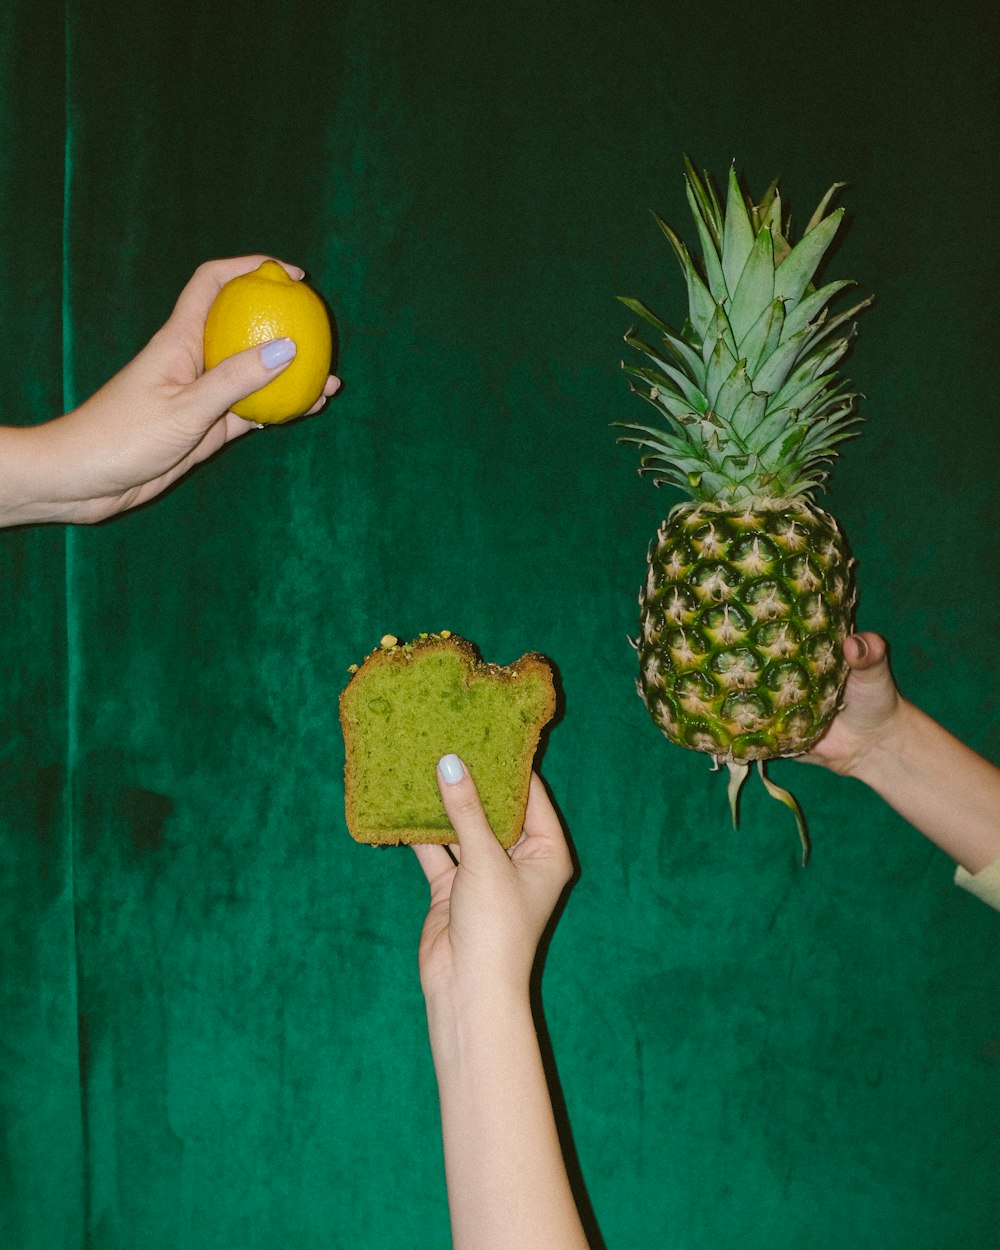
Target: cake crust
[397,723]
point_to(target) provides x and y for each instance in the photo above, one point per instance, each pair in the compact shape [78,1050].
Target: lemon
[263,305]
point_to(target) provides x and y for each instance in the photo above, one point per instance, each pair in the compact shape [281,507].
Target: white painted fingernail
[277,352]
[451,769]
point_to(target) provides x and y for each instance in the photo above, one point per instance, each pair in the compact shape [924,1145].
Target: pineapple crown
[748,389]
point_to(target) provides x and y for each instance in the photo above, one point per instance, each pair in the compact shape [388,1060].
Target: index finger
[437,864]
[542,826]
[540,818]
[209,278]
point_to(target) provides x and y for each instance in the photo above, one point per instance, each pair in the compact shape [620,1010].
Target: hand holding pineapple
[871,705]
[942,787]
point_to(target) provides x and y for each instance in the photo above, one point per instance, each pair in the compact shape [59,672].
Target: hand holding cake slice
[408,705]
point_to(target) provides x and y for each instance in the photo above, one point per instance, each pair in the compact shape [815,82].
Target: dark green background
[212,1030]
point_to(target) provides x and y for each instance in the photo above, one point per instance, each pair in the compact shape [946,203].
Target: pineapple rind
[741,619]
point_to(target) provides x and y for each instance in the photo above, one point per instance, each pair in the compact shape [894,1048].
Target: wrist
[461,1020]
[886,748]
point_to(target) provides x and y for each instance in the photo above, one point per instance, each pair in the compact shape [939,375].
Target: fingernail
[862,647]
[451,769]
[277,352]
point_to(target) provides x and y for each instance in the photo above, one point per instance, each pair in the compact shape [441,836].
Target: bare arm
[507,1182]
[937,783]
[146,427]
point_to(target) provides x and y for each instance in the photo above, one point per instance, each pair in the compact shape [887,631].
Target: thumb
[465,811]
[240,375]
[867,655]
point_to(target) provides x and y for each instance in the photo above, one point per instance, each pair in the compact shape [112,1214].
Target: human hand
[489,906]
[146,427]
[871,705]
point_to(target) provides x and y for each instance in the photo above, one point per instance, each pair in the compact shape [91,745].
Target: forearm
[942,787]
[41,470]
[22,472]
[507,1182]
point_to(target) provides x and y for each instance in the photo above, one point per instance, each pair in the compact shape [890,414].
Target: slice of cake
[409,704]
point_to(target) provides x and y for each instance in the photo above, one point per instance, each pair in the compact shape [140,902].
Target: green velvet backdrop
[211,1030]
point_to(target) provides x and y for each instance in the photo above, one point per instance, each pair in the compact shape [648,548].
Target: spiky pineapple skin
[742,619]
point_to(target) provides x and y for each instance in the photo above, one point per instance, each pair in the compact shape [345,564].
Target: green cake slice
[409,704]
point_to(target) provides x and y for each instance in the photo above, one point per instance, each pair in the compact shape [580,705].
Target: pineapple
[749,592]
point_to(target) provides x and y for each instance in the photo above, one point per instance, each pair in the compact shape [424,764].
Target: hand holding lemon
[267,306]
[180,400]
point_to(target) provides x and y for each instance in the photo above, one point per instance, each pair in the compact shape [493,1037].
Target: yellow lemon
[263,305]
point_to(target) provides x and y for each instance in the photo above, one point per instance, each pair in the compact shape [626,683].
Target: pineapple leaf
[747,416]
[732,394]
[820,331]
[834,323]
[773,222]
[772,216]
[701,305]
[676,463]
[755,289]
[833,429]
[776,367]
[801,387]
[795,272]
[737,234]
[719,329]
[680,480]
[763,336]
[821,207]
[782,247]
[674,379]
[768,209]
[653,436]
[683,355]
[659,390]
[670,451]
[645,313]
[674,407]
[810,307]
[790,801]
[713,485]
[721,364]
[793,441]
[708,209]
[811,366]
[709,250]
[823,361]
[653,376]
[670,408]
[713,200]
[747,393]
[819,398]
[771,426]
[772,455]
